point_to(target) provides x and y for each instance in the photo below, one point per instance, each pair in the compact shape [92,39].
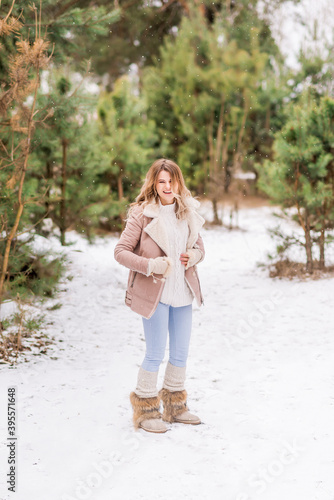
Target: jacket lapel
[156,228]
[195,223]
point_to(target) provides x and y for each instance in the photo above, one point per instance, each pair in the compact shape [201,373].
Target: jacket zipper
[133,280]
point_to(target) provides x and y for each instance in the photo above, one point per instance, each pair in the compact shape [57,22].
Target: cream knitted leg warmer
[146,384]
[174,378]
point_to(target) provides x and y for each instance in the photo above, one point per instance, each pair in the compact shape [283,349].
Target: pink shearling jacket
[145,237]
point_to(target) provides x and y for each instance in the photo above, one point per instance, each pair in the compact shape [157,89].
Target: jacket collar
[156,228]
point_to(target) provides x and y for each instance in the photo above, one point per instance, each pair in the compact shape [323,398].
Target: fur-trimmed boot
[174,397]
[145,402]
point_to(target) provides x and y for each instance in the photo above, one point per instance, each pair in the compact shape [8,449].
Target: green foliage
[126,141]
[32,273]
[302,172]
[63,155]
[55,307]
[135,37]
[71,27]
[106,157]
[205,74]
[18,97]
[34,324]
[303,156]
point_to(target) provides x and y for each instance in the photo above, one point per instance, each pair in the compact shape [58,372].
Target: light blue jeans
[176,320]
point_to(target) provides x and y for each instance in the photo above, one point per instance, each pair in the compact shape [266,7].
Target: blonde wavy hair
[149,194]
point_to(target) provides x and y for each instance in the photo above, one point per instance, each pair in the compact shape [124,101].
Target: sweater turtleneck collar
[167,209]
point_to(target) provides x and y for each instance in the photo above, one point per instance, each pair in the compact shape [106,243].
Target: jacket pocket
[128,299]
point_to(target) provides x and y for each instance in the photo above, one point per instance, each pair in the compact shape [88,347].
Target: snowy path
[260,375]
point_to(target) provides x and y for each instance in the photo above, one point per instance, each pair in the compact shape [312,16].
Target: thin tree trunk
[308,243]
[212,174]
[322,248]
[62,224]
[120,185]
[267,123]
[215,163]
[48,177]
[216,219]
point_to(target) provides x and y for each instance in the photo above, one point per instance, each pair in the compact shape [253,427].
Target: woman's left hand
[191,257]
[184,258]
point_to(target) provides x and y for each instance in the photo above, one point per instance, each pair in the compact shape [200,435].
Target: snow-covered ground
[260,375]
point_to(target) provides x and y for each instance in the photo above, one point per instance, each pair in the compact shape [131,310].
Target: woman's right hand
[160,265]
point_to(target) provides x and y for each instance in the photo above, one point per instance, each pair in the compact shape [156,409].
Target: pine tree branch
[10,11]
[29,229]
[83,78]
[63,9]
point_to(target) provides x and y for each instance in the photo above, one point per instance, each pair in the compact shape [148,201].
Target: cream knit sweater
[176,292]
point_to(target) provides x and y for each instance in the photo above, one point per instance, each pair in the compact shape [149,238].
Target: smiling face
[165,189]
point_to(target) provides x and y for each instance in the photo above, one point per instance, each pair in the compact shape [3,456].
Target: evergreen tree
[201,93]
[127,140]
[70,26]
[302,172]
[19,117]
[65,159]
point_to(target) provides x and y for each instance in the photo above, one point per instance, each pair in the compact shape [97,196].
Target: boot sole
[150,430]
[187,422]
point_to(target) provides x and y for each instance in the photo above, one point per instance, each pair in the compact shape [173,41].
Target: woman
[161,246]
